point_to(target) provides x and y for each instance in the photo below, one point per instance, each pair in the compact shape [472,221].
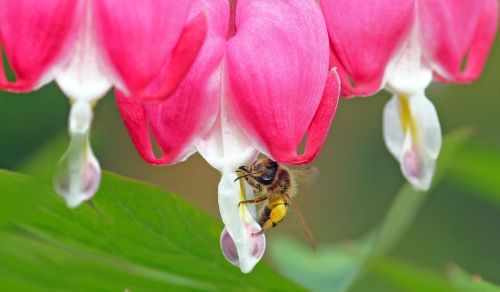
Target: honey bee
[276,184]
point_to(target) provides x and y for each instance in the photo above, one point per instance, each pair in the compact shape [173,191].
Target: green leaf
[408,277]
[44,161]
[330,268]
[478,169]
[408,202]
[133,236]
[19,195]
[463,281]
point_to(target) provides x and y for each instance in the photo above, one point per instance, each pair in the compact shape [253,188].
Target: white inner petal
[79,173]
[411,127]
[82,75]
[408,73]
[412,134]
[430,129]
[416,167]
[392,128]
[226,148]
[239,222]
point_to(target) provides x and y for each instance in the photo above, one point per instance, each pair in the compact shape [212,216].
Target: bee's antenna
[244,169]
[246,174]
[242,176]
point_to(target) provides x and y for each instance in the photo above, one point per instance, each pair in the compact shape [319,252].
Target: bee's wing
[307,175]
[308,236]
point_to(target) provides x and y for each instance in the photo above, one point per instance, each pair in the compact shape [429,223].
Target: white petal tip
[417,169]
[79,183]
[413,135]
[75,201]
[79,174]
[420,185]
[247,261]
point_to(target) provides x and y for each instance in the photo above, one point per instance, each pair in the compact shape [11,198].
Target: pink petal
[318,129]
[278,65]
[33,34]
[190,112]
[364,35]
[453,30]
[134,117]
[183,56]
[143,39]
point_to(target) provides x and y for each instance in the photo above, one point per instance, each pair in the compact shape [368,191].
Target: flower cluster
[232,79]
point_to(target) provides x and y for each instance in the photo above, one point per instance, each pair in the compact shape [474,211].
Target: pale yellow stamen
[243,197]
[408,122]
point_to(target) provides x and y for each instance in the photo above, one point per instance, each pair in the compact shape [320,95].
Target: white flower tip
[248,259]
[74,200]
[77,180]
[417,171]
[79,174]
[413,135]
[411,163]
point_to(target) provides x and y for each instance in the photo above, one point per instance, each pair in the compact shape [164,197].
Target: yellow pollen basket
[407,121]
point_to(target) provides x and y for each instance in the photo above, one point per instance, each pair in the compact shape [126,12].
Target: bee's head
[264,170]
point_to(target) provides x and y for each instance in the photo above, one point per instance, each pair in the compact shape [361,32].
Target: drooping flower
[87,46]
[402,46]
[260,84]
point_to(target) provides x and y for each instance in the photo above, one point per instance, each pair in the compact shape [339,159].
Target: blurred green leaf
[408,277]
[28,121]
[43,162]
[22,193]
[478,168]
[330,268]
[408,202]
[133,236]
[463,281]
[19,195]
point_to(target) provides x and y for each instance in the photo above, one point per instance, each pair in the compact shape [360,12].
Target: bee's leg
[275,215]
[253,185]
[243,168]
[253,201]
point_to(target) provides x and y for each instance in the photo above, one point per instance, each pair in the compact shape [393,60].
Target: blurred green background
[459,222]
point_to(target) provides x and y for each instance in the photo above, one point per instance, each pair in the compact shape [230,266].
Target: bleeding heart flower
[400,46]
[259,84]
[142,47]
